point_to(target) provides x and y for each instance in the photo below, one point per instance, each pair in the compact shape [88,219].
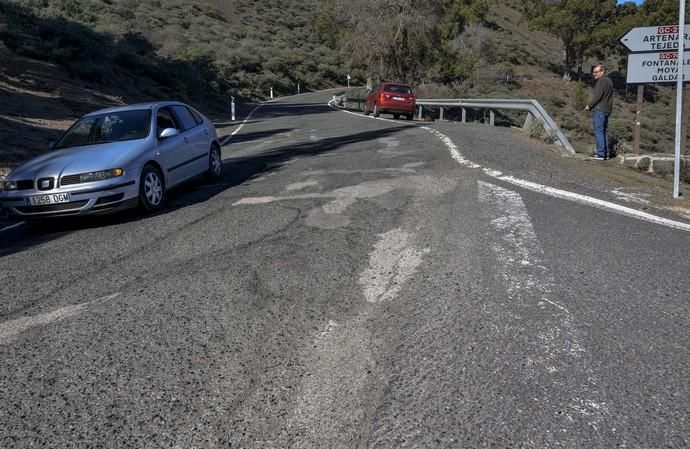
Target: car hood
[80,160]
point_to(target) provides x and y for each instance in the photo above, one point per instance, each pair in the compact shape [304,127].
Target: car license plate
[398,98]
[53,198]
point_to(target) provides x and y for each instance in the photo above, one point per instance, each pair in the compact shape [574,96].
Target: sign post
[665,61]
[679,100]
[638,114]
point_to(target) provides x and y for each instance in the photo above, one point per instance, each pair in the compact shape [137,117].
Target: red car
[391,98]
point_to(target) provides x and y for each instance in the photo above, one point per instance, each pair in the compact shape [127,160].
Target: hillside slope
[533,61]
[62,58]
[239,47]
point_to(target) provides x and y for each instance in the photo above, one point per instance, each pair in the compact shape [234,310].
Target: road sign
[656,38]
[659,67]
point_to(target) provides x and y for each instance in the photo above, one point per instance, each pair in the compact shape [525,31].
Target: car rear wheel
[376,110]
[215,163]
[151,189]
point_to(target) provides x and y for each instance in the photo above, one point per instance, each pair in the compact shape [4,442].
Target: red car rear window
[397,89]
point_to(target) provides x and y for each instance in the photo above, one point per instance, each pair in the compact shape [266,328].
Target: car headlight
[9,185]
[101,175]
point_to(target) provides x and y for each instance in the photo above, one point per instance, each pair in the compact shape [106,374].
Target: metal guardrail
[532,107]
[535,111]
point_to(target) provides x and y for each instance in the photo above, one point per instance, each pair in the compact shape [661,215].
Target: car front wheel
[151,189]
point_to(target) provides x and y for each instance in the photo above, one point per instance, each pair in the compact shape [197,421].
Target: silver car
[113,159]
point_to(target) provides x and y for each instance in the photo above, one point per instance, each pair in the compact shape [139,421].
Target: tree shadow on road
[236,171]
[247,137]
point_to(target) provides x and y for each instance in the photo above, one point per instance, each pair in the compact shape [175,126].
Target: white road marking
[454,152]
[329,328]
[600,204]
[556,347]
[550,191]
[11,329]
[271,199]
[330,408]
[519,249]
[344,196]
[555,305]
[393,261]
[227,138]
[301,185]
[16,225]
[631,197]
[390,142]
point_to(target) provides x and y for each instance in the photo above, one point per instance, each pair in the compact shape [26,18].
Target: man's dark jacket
[602,96]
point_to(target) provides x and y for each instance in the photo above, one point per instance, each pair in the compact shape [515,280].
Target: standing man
[601,104]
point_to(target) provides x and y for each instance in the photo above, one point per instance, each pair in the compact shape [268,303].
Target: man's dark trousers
[600,123]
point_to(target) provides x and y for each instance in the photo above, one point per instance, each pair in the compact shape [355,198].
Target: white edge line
[227,138]
[549,191]
[600,204]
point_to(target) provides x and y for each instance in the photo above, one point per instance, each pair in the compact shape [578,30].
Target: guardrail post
[492,117]
[440,114]
[420,112]
[528,121]
[464,115]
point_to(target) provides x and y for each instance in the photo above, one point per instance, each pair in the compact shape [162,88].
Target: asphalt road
[355,283]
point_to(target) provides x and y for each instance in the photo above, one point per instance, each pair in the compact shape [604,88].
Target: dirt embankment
[38,101]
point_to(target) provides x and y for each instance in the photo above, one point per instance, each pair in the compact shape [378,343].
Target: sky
[626,1]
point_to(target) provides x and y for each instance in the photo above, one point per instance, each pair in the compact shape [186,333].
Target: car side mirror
[168,132]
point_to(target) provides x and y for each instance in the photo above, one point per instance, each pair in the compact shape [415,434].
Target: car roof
[395,84]
[136,106]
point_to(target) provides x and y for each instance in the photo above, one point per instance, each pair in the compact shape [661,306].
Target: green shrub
[570,120]
[557,101]
[620,146]
[580,96]
[536,131]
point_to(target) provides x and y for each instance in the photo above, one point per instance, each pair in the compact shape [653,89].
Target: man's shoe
[599,158]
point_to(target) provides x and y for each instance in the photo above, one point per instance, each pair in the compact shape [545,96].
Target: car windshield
[397,89]
[106,128]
